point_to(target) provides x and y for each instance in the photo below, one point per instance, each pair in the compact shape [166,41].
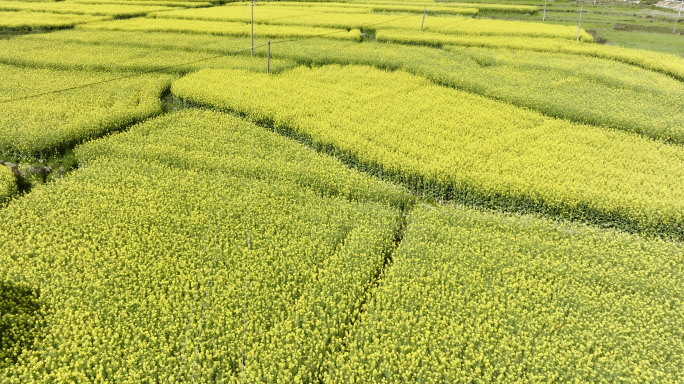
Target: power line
[126,77]
[188,63]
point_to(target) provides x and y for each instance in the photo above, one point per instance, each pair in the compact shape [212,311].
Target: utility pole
[268,58]
[423,22]
[677,19]
[544,17]
[252,25]
[579,25]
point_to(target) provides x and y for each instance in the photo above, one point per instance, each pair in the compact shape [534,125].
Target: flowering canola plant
[119,10]
[67,51]
[116,249]
[480,297]
[219,28]
[455,145]
[24,20]
[41,126]
[559,85]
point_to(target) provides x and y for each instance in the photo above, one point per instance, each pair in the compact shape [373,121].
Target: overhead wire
[138,73]
[161,69]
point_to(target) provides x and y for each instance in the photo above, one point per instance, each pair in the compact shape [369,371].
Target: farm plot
[558,85]
[41,51]
[485,27]
[483,8]
[117,10]
[39,127]
[221,28]
[479,297]
[118,270]
[307,17]
[186,4]
[665,63]
[453,144]
[25,20]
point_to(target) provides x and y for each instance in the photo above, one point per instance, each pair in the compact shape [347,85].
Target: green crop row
[481,7]
[558,85]
[176,142]
[42,51]
[116,250]
[481,298]
[456,145]
[490,27]
[23,20]
[79,8]
[308,17]
[220,28]
[180,3]
[39,127]
[8,184]
[666,63]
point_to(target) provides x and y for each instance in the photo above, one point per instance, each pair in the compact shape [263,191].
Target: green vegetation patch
[659,42]
[220,28]
[47,51]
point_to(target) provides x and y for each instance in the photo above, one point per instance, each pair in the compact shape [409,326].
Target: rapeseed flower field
[366,191]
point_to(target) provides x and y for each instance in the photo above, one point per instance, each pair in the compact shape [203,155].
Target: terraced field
[366,192]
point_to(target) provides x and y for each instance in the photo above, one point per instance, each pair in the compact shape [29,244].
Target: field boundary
[468,196]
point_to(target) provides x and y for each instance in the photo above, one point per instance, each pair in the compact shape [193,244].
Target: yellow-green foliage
[489,27]
[478,297]
[458,145]
[333,16]
[45,51]
[39,126]
[187,4]
[79,8]
[164,1]
[20,320]
[550,43]
[8,183]
[666,63]
[294,9]
[191,141]
[180,42]
[558,85]
[25,20]
[537,80]
[587,90]
[306,17]
[117,268]
[481,7]
[219,28]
